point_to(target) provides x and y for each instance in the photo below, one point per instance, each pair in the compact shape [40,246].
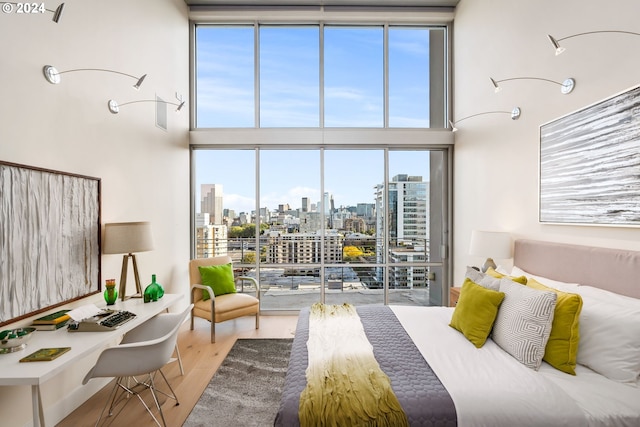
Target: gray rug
[246,389]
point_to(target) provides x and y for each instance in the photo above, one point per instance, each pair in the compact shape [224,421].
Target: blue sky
[290,97]
[290,76]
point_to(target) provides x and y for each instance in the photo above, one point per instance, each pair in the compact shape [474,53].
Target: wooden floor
[200,359]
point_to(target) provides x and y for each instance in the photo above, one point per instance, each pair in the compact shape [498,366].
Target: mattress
[491,388]
[487,386]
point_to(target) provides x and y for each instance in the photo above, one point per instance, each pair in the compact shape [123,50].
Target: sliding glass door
[363,226]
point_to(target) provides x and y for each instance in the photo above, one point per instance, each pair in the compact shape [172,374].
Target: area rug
[246,389]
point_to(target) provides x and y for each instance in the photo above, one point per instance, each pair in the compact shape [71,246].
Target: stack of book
[52,321]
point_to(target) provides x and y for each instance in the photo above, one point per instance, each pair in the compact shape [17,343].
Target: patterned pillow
[523,324]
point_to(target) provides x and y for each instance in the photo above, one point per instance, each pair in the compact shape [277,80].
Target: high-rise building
[211,202]
[305,205]
[365,210]
[408,214]
[303,248]
[211,240]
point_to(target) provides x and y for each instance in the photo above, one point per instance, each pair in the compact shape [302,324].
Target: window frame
[440,61]
[256,138]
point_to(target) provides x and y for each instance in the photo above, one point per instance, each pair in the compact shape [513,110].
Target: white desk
[12,372]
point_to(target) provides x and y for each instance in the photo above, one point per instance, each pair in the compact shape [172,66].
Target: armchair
[222,307]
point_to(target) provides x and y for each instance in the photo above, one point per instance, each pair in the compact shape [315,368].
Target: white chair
[143,351]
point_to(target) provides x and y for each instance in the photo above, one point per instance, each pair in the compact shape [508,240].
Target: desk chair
[223,307]
[143,351]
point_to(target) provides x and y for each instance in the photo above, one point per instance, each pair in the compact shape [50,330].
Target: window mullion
[385,75]
[256,73]
[321,73]
[323,228]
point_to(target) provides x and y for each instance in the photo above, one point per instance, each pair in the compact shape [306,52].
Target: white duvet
[490,388]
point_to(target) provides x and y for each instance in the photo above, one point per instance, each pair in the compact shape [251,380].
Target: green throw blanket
[345,385]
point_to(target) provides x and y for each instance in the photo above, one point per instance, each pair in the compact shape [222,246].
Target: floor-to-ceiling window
[320,162]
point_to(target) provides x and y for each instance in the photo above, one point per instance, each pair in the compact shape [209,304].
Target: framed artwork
[590,164]
[49,239]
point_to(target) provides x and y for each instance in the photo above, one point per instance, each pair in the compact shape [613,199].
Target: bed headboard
[616,270]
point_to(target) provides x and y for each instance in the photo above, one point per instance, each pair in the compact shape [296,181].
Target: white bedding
[491,388]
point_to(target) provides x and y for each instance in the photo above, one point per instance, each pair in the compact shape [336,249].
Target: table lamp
[490,244]
[127,238]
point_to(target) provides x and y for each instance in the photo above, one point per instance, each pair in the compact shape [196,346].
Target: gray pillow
[523,324]
[482,279]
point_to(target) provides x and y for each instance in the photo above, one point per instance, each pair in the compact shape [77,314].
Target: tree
[351,252]
[249,258]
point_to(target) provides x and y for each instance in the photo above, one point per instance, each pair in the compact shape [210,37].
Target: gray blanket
[424,399]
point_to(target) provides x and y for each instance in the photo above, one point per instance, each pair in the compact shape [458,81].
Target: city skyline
[289,175]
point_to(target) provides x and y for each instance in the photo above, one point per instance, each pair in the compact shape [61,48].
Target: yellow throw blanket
[345,385]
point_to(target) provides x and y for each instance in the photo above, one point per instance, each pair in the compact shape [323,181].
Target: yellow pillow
[562,348]
[520,279]
[476,311]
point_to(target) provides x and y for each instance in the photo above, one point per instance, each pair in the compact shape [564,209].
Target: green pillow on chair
[219,278]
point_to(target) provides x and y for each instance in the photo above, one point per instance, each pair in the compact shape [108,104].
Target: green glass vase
[111,294]
[154,291]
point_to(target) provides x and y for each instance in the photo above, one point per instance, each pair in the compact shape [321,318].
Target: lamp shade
[493,244]
[127,237]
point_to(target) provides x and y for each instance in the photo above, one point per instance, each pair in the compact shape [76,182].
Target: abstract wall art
[49,239]
[590,164]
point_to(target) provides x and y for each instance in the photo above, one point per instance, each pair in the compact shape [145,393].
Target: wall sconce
[559,49]
[566,87]
[114,107]
[53,75]
[515,115]
[32,8]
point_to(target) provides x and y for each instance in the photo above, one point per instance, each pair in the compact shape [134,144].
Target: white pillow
[523,324]
[609,338]
[561,286]
[610,297]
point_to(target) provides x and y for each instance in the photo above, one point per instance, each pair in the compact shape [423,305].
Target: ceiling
[359,3]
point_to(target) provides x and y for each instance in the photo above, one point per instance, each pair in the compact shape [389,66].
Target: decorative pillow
[219,278]
[523,323]
[610,339]
[482,279]
[476,311]
[493,273]
[562,348]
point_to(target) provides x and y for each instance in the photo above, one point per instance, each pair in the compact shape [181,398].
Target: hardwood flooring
[200,360]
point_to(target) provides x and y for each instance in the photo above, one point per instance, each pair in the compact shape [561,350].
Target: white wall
[496,159]
[67,127]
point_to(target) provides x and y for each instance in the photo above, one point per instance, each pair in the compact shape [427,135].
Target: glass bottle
[111,294]
[154,291]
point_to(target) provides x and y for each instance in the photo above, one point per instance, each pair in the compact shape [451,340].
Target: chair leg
[213,331]
[155,399]
[109,402]
[258,320]
[179,360]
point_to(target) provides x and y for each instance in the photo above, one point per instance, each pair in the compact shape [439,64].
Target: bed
[441,378]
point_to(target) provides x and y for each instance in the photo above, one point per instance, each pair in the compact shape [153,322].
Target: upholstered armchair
[229,305]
